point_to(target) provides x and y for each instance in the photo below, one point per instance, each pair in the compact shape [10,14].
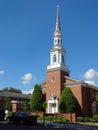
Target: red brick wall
[69,116]
[77,92]
[57,86]
[85,96]
[88,97]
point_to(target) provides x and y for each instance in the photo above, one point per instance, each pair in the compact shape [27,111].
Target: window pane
[62,59]
[54,58]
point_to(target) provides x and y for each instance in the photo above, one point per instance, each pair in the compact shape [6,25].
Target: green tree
[44,105]
[11,89]
[7,103]
[97,97]
[37,99]
[26,105]
[68,102]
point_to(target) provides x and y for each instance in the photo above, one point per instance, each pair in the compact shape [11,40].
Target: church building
[58,77]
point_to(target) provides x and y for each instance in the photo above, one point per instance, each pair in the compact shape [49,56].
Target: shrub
[92,120]
[49,118]
[80,119]
[95,117]
[41,118]
[86,119]
[61,119]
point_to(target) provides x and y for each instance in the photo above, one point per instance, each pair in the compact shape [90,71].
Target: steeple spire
[57,33]
[58,28]
[58,52]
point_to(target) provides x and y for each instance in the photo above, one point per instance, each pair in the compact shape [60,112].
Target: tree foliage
[44,104]
[37,99]
[97,97]
[68,102]
[26,105]
[11,89]
[7,103]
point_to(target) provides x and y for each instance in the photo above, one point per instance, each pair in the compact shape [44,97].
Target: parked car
[22,118]
[2,114]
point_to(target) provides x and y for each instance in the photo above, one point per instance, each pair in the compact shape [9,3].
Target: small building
[16,99]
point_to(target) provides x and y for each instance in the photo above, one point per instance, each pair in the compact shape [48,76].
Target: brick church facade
[58,77]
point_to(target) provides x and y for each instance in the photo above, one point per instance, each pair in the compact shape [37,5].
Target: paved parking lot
[5,126]
[66,126]
[74,126]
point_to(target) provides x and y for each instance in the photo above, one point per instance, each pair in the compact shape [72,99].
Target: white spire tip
[58,7]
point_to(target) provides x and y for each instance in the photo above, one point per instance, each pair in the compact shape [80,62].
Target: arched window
[94,107]
[54,58]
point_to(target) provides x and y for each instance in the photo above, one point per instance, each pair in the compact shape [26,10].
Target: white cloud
[90,76]
[27,78]
[2,72]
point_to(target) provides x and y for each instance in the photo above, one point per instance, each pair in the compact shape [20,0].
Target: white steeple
[57,54]
[57,33]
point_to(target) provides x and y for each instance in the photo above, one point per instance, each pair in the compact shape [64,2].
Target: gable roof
[14,94]
[77,82]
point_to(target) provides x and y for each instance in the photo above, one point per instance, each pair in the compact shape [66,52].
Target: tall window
[54,58]
[63,59]
[58,41]
[94,108]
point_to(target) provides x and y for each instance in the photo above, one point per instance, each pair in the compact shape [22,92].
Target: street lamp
[44,106]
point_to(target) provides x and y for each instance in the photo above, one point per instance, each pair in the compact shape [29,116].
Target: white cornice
[57,67]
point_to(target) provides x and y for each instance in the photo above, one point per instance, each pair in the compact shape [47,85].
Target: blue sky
[26,38]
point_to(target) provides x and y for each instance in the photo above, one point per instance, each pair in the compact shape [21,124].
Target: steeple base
[58,67]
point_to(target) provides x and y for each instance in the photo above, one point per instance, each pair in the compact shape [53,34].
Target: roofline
[77,82]
[14,94]
[72,79]
[43,82]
